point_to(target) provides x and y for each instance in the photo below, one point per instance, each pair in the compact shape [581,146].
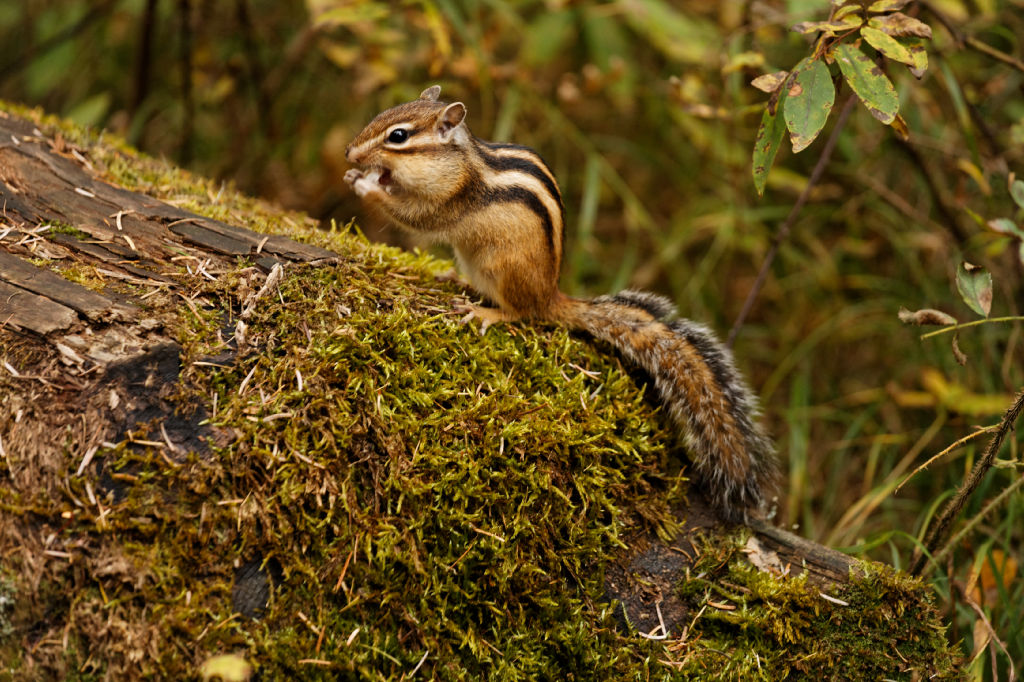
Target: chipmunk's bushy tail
[697,381]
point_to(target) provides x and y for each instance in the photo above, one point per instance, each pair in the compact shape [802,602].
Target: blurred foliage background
[643,108]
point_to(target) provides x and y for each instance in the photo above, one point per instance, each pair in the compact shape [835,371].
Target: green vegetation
[646,113]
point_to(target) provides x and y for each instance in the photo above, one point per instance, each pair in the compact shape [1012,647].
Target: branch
[965,40]
[787,225]
[940,529]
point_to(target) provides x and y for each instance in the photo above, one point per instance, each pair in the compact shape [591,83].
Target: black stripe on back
[520,195]
[500,162]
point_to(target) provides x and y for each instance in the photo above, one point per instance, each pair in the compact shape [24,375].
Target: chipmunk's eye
[398,136]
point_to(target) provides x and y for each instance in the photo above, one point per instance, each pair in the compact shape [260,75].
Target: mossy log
[224,431]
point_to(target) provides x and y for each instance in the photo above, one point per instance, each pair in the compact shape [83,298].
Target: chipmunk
[500,208]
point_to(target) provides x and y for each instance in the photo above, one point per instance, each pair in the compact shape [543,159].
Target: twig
[949,448]
[970,41]
[787,225]
[990,51]
[972,524]
[959,326]
[940,529]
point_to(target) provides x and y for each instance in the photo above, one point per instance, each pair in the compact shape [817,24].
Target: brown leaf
[900,126]
[899,24]
[957,353]
[770,82]
[926,316]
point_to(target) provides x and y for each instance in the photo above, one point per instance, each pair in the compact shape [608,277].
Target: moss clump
[435,496]
[59,227]
[751,624]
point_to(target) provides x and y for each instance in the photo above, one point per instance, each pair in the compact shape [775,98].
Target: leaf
[1017,192]
[887,5]
[846,11]
[868,82]
[847,23]
[918,55]
[810,96]
[975,286]
[926,316]
[770,82]
[976,174]
[887,45]
[958,354]
[743,60]
[1005,226]
[899,24]
[900,126]
[975,217]
[769,138]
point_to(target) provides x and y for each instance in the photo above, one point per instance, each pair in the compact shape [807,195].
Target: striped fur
[696,380]
[500,208]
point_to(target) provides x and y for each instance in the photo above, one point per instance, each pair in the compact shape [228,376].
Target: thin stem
[957,327]
[970,41]
[787,225]
[940,529]
[972,524]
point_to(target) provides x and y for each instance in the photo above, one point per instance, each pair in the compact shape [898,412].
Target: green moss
[66,228]
[423,490]
[751,624]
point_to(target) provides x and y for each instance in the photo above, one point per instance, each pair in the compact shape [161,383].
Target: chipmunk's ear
[431,94]
[450,119]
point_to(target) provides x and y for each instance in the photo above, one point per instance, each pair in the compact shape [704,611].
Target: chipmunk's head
[412,144]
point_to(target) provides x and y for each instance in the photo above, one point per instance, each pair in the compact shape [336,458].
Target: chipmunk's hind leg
[487,316]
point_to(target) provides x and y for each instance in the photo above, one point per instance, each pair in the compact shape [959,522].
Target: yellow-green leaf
[918,55]
[810,95]
[887,5]
[975,286]
[769,138]
[846,23]
[866,79]
[887,45]
[847,10]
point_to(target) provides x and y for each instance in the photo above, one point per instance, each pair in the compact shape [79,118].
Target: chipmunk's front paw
[352,175]
[365,183]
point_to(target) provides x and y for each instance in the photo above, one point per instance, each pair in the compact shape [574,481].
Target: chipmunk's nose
[351,155]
